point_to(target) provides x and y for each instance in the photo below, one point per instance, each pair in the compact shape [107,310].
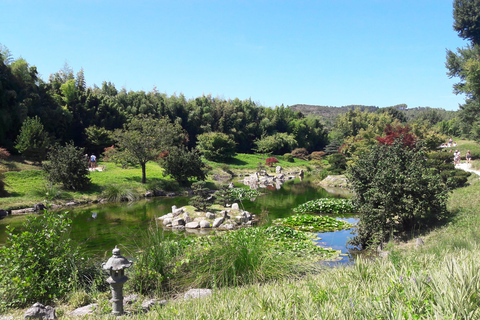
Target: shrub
[270,161]
[338,163]
[184,165]
[326,205]
[67,165]
[394,192]
[4,154]
[216,146]
[288,157]
[32,141]
[40,263]
[300,153]
[317,155]
[108,153]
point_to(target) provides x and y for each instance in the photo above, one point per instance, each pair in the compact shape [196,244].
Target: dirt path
[466,167]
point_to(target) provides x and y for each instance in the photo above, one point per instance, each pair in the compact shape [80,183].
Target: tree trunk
[144,175]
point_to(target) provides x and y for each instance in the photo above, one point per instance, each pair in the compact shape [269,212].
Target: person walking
[93,162]
[468,156]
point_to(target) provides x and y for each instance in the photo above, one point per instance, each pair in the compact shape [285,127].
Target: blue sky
[324,52]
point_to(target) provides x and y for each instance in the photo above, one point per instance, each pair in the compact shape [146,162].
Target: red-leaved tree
[270,161]
[399,132]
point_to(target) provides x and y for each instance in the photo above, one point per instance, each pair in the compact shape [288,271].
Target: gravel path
[466,167]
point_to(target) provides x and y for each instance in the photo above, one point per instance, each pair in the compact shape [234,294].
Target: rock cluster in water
[180,219]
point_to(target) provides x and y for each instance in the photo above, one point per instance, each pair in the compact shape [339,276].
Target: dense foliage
[39,264]
[33,141]
[312,223]
[144,138]
[67,165]
[327,205]
[183,165]
[216,146]
[395,192]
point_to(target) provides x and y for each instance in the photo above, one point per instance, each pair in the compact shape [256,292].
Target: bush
[394,191]
[317,155]
[4,154]
[67,165]
[270,161]
[39,264]
[288,157]
[300,153]
[338,163]
[32,141]
[216,146]
[184,165]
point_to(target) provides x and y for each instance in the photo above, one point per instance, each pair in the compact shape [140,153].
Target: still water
[98,228]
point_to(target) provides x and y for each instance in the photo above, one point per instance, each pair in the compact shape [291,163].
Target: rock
[278,169]
[39,311]
[240,219]
[247,215]
[197,293]
[174,208]
[130,299]
[159,193]
[210,215]
[228,226]
[147,305]
[198,219]
[249,223]
[39,207]
[171,194]
[187,217]
[235,206]
[167,221]
[177,212]
[217,222]
[281,176]
[149,194]
[178,222]
[71,203]
[192,225]
[419,242]
[3,213]
[21,211]
[231,185]
[83,311]
[179,227]
[168,215]
[205,224]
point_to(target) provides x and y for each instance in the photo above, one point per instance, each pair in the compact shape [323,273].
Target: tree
[33,140]
[216,146]
[466,15]
[465,64]
[67,165]
[184,165]
[201,194]
[144,138]
[279,143]
[394,191]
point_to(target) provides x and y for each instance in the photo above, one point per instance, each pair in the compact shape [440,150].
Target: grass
[464,145]
[26,183]
[439,280]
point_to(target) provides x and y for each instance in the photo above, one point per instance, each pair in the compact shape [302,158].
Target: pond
[98,228]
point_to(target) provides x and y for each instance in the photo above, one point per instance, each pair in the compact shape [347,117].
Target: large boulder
[167,221]
[205,224]
[178,222]
[192,225]
[217,222]
[39,311]
[278,169]
[210,215]
[235,206]
[177,212]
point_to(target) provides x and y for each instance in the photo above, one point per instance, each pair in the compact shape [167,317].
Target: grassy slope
[27,185]
[440,280]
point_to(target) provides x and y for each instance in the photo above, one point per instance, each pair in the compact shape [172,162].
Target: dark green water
[125,224]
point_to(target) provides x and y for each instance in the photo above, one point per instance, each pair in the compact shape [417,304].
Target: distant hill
[329,114]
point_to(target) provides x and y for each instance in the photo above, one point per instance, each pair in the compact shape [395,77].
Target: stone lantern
[116,265]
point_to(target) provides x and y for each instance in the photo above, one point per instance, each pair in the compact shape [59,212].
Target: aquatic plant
[327,205]
[312,223]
